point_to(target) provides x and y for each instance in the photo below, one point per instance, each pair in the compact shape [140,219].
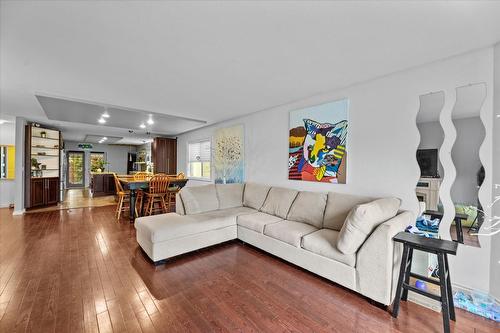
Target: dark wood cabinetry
[42,151]
[164,155]
[102,184]
[37,191]
[44,191]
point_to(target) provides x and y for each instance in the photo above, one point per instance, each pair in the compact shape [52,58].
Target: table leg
[132,205]
[444,292]
[399,289]
[404,296]
[460,234]
[450,292]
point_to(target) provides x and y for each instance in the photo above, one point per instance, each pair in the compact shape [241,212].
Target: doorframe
[68,153]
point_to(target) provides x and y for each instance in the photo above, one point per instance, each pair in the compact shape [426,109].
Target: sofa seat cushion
[164,227]
[290,232]
[257,221]
[324,243]
[278,201]
[254,195]
[309,208]
[230,195]
[362,220]
[199,199]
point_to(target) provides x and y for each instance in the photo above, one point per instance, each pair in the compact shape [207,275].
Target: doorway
[76,169]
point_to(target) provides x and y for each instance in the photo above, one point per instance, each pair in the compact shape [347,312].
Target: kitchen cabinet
[44,191]
[164,155]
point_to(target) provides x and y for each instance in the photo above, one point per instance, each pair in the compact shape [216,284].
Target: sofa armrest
[379,258]
[179,205]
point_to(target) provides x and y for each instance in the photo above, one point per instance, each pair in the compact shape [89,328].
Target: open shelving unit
[43,160]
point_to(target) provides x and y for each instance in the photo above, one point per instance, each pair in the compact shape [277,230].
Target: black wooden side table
[439,247]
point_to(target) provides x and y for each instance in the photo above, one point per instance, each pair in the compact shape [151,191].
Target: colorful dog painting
[317,143]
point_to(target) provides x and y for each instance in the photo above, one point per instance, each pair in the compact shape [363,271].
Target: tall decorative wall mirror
[469,169]
[431,170]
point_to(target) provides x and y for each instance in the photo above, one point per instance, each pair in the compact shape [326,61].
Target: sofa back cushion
[254,195]
[338,206]
[229,195]
[362,220]
[278,201]
[199,199]
[308,207]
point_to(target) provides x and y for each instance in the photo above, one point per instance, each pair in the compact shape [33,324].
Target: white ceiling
[212,61]
[85,112]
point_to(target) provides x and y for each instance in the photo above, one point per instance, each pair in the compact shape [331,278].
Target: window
[97,162]
[199,159]
[7,157]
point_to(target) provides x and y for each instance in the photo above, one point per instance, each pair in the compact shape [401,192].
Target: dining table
[133,186]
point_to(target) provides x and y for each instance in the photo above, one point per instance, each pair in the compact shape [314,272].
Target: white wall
[383,138]
[7,186]
[116,155]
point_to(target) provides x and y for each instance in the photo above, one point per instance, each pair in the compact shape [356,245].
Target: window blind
[199,151]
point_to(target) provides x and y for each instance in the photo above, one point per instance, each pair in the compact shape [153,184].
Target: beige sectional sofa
[344,238]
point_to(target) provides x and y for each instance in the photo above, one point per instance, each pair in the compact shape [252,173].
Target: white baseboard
[18,212]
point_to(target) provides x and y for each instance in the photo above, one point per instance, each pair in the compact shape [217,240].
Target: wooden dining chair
[156,194]
[123,204]
[172,191]
[141,176]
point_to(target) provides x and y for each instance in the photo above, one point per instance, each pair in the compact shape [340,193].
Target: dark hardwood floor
[80,270]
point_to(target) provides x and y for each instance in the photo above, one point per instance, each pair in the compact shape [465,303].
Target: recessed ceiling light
[105,138]
[2,121]
[498,115]
[102,120]
[150,120]
[142,125]
[105,114]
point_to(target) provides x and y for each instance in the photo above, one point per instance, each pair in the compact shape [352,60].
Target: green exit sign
[85,146]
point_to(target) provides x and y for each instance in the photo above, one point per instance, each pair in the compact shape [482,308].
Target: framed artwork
[229,155]
[318,143]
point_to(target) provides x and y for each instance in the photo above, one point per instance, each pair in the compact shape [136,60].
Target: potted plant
[35,165]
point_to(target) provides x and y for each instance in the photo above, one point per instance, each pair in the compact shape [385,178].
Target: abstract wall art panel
[229,155]
[318,143]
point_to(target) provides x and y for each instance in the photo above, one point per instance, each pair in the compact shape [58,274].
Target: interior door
[76,169]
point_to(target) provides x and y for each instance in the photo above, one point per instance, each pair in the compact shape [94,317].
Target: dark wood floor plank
[80,270]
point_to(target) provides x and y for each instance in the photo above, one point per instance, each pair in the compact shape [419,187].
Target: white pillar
[495,242]
[19,172]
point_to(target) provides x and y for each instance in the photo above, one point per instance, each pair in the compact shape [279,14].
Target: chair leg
[163,205]
[118,208]
[150,206]
[443,283]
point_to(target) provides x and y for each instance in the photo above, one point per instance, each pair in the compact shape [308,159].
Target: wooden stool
[436,246]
